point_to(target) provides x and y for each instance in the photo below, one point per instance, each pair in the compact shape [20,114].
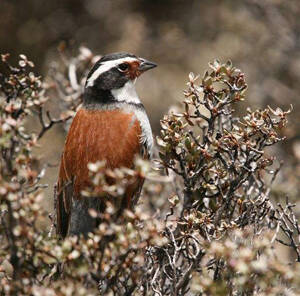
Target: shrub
[218,228]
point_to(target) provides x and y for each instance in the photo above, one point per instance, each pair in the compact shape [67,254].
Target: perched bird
[111,125]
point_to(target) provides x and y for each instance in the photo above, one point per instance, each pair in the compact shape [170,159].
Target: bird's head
[114,70]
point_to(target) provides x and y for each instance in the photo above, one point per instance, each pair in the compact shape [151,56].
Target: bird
[111,126]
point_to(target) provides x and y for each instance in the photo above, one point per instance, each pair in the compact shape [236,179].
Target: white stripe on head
[105,66]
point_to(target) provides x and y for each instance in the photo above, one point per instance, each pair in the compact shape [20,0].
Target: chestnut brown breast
[95,135]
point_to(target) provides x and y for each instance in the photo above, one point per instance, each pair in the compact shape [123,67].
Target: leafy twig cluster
[221,228]
[222,163]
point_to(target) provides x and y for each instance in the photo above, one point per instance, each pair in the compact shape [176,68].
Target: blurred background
[262,38]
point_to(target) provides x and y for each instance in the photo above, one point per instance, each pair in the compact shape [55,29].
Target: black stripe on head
[116,56]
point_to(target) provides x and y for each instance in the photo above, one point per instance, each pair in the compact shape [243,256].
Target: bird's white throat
[127,93]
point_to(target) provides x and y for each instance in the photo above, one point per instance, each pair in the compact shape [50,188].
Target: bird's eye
[123,67]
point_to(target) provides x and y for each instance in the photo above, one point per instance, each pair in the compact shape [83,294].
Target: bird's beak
[146,65]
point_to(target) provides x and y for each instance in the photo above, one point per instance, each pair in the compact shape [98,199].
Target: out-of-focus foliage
[218,228]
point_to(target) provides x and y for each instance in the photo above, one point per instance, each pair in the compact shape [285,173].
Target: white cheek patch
[126,93]
[106,66]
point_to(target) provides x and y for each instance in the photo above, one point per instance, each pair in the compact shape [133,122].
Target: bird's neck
[127,93]
[125,99]
[95,98]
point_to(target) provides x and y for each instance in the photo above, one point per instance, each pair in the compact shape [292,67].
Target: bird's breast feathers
[111,135]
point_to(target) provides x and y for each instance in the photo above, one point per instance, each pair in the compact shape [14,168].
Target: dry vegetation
[217,229]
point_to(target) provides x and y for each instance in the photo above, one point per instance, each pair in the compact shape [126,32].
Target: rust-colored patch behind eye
[133,71]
